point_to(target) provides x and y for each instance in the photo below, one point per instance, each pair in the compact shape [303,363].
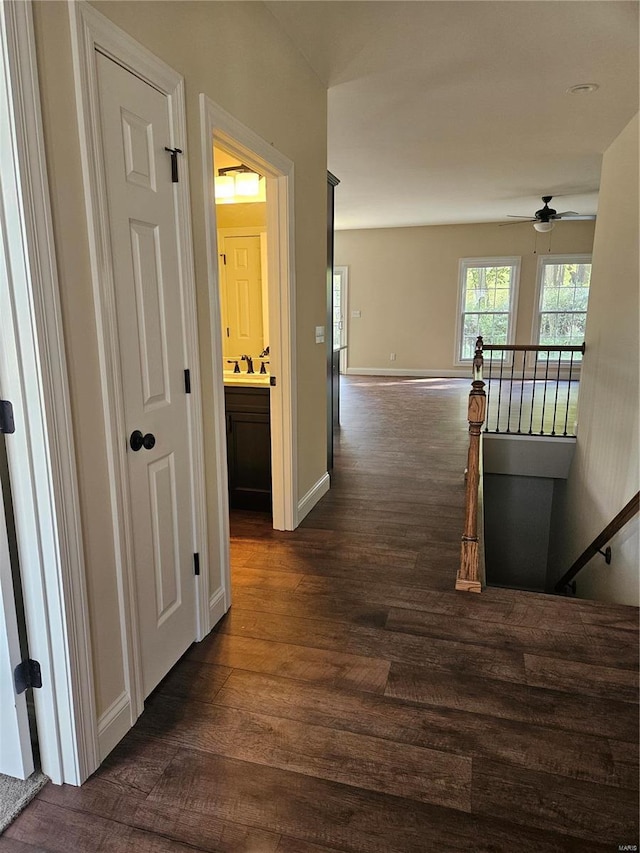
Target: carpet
[15,794]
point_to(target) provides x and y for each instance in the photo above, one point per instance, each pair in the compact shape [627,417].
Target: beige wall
[604,473]
[241,215]
[405,283]
[267,86]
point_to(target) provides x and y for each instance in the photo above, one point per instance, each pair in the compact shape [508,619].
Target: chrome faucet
[249,361]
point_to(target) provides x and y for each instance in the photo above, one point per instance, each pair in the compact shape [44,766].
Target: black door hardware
[174,162]
[7,424]
[27,674]
[137,440]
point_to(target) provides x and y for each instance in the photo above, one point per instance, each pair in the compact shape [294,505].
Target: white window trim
[544,260]
[463,266]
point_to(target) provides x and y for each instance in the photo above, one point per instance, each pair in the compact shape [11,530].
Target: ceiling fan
[545,218]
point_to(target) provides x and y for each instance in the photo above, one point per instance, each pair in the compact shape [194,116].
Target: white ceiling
[443,111]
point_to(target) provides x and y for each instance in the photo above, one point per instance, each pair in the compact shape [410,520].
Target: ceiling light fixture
[236,181]
[543,227]
[583,88]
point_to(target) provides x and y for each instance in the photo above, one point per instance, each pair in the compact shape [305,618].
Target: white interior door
[151,332]
[16,757]
[242,297]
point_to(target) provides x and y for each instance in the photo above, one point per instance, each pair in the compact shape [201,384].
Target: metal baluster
[513,364]
[500,391]
[533,392]
[566,417]
[544,398]
[486,423]
[524,362]
[555,404]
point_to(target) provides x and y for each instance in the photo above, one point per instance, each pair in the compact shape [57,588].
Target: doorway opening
[340,314]
[250,155]
[243,275]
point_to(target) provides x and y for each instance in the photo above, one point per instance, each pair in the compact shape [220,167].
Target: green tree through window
[564,297]
[488,291]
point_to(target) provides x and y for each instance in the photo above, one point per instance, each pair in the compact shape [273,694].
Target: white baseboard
[444,373]
[307,503]
[114,724]
[217,606]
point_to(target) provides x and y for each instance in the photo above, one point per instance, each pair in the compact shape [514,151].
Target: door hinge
[27,674]
[174,163]
[228,332]
[224,258]
[196,564]
[7,424]
[187,381]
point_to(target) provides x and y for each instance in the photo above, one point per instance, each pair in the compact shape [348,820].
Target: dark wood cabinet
[248,448]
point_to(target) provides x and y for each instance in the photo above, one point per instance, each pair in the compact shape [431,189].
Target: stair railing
[626,514]
[531,389]
[470,574]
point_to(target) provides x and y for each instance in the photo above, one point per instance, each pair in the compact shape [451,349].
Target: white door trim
[91,31]
[343,272]
[219,126]
[33,374]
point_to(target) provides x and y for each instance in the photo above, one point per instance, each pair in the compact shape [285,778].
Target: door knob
[137,440]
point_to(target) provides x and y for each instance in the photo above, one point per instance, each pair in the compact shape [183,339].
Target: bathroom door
[242,296]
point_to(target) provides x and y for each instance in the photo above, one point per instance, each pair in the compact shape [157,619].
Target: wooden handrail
[469,574]
[625,515]
[533,348]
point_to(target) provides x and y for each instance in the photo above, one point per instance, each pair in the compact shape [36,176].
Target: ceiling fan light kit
[543,227]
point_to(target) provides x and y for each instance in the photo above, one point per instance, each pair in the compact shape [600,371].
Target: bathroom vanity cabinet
[248,447]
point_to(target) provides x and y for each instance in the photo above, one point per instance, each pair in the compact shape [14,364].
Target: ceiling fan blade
[521,222]
[515,216]
[570,215]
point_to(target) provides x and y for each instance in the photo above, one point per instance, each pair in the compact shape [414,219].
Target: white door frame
[91,31]
[343,272]
[221,128]
[41,453]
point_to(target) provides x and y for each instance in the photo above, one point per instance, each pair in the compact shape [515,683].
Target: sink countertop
[261,380]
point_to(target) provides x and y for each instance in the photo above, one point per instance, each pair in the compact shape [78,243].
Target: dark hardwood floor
[351,700]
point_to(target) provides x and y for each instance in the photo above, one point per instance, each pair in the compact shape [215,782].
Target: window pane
[503,299]
[486,300]
[550,298]
[564,300]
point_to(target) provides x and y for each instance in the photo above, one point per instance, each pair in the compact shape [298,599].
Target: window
[488,295]
[563,288]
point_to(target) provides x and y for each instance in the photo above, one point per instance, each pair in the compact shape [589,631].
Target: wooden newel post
[469,578]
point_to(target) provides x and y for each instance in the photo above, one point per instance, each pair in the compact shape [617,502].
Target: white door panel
[149,309]
[16,757]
